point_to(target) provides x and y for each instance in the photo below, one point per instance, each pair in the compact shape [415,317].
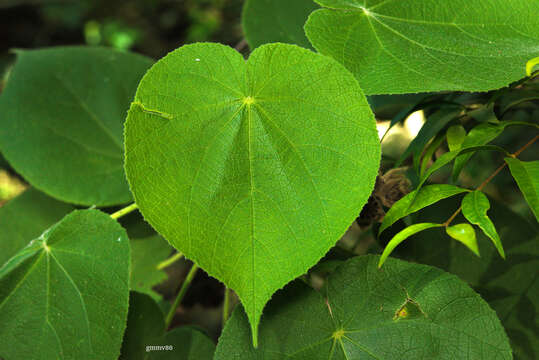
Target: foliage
[253,167]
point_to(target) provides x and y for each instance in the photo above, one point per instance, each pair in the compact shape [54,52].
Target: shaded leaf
[403,235]
[474,207]
[252,191]
[434,124]
[402,308]
[62,121]
[510,286]
[145,326]
[188,344]
[145,337]
[422,45]
[448,157]
[464,233]
[146,254]
[415,201]
[526,174]
[270,21]
[455,137]
[26,217]
[481,135]
[65,295]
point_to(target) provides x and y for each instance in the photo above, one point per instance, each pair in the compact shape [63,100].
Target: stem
[167,262]
[126,210]
[241,45]
[190,275]
[489,179]
[226,305]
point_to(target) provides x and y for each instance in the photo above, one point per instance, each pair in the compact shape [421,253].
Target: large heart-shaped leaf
[62,121]
[26,217]
[252,169]
[428,45]
[65,295]
[403,311]
[268,21]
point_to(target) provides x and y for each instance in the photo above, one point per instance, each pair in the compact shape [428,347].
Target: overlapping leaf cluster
[254,169]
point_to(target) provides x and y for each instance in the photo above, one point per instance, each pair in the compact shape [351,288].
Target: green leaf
[65,295]
[530,65]
[146,329]
[464,233]
[481,135]
[451,155]
[509,286]
[455,137]
[411,203]
[146,254]
[403,309]
[412,46]
[240,165]
[26,217]
[429,152]
[62,121]
[145,326]
[474,208]
[526,174]
[188,344]
[434,124]
[269,21]
[403,235]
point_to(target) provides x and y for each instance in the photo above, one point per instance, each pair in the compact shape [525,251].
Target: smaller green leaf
[474,208]
[145,337]
[455,137]
[65,295]
[451,155]
[480,135]
[188,343]
[465,234]
[530,65]
[429,152]
[526,174]
[434,124]
[145,326]
[26,217]
[270,21]
[146,254]
[403,235]
[411,203]
[63,110]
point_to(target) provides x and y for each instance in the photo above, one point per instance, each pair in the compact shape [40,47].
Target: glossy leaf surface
[415,201]
[464,233]
[474,208]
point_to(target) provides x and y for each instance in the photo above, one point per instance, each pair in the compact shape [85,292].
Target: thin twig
[126,210]
[181,293]
[489,179]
